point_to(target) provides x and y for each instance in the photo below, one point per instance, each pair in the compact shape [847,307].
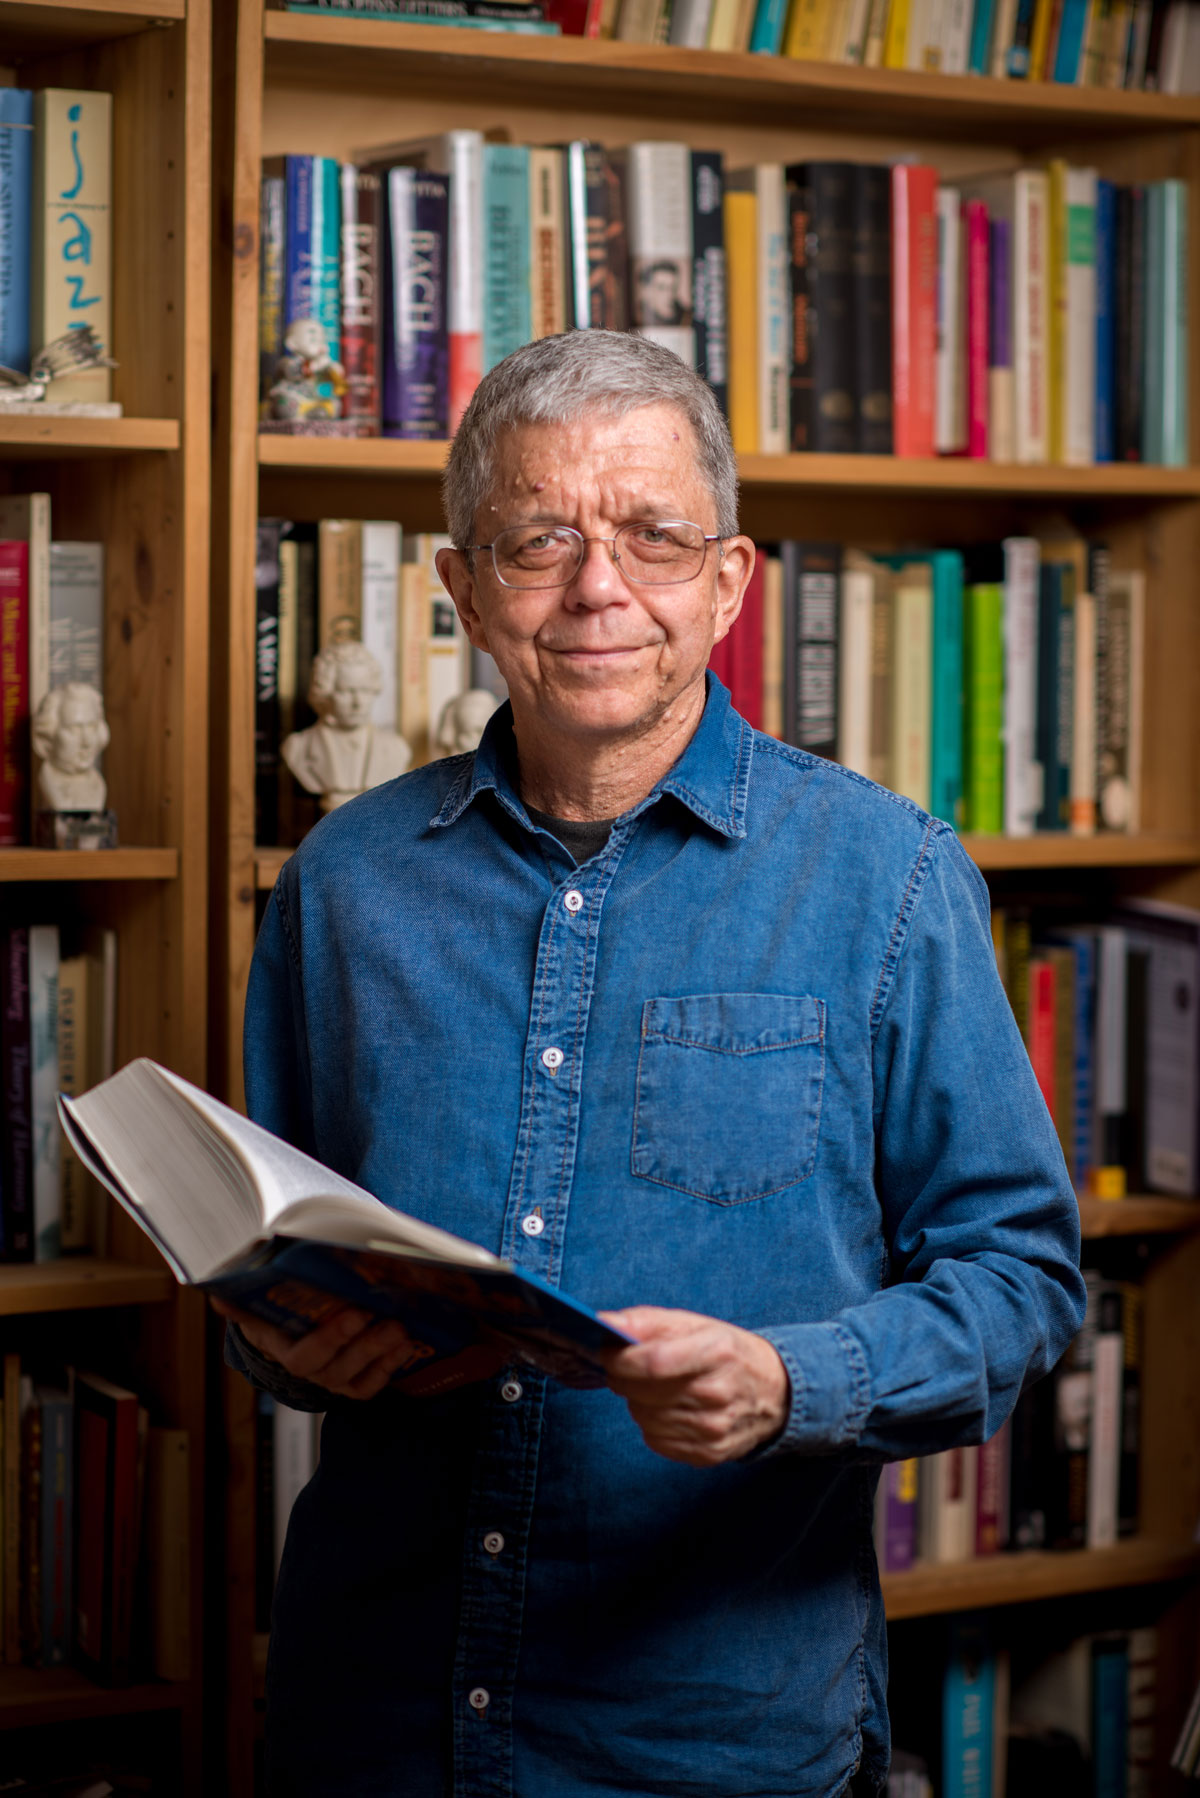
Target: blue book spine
[1106,296]
[16,212]
[1072,21]
[1110,1716]
[507,321]
[1153,321]
[946,725]
[1082,944]
[968,1712]
[57,1489]
[1175,331]
[416,344]
[979,55]
[312,265]
[766,34]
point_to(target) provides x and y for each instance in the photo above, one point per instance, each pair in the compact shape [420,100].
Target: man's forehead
[649,452]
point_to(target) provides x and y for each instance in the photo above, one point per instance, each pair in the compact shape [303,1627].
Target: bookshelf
[140,483]
[331,85]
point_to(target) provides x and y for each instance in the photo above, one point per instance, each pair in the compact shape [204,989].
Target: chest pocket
[729,1093]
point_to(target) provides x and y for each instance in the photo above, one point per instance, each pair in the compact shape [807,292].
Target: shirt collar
[711,777]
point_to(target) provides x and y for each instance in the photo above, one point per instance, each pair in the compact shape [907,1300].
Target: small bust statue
[463,719]
[343,753]
[69,732]
[307,383]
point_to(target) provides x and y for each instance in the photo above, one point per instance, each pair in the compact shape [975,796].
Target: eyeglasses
[659,554]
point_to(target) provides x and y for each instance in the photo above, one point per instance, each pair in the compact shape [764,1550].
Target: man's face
[599,656]
[351,699]
[77,737]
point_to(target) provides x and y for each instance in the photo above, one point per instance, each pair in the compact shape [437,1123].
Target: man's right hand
[351,1354]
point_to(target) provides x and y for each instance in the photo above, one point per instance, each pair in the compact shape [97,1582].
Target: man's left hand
[700,1390]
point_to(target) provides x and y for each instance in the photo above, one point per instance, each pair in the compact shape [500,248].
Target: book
[983,683]
[106,1468]
[16,222]
[415,337]
[709,303]
[43,1089]
[312,243]
[855,628]
[1104,437]
[1001,399]
[14,692]
[946,1490]
[76,630]
[272,253]
[168,1550]
[74,1076]
[1022,770]
[72,229]
[1119,703]
[974,1720]
[912,671]
[741,240]
[659,195]
[605,244]
[507,291]
[339,581]
[1055,690]
[16,1148]
[1104,1461]
[802,402]
[914,308]
[896,1531]
[950,409]
[362,296]
[10,1523]
[1110,1713]
[810,625]
[1081,800]
[829,273]
[772,652]
[381,542]
[547,248]
[56,1408]
[872,308]
[976,325]
[266,680]
[242,1214]
[992,1493]
[1129,330]
[745,641]
[771,266]
[27,516]
[1170,934]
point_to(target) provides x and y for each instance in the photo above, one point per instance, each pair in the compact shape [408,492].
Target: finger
[362,1352]
[312,1355]
[665,1359]
[644,1321]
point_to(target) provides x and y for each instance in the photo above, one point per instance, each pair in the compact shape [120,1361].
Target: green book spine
[1154,352]
[506,285]
[946,736]
[983,748]
[1175,314]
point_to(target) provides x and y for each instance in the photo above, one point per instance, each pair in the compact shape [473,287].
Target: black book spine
[818,589]
[831,293]
[599,192]
[873,309]
[708,271]
[17,1096]
[1046,728]
[266,680]
[799,213]
[1137,322]
[1158,19]
[1031,1450]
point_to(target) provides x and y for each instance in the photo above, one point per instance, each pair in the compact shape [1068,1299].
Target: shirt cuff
[269,1376]
[831,1387]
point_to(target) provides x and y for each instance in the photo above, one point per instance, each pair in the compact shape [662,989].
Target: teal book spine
[983,670]
[1175,329]
[946,728]
[312,276]
[16,224]
[766,34]
[507,321]
[1154,347]
[968,1711]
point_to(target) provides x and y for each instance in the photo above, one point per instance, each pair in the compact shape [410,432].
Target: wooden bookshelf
[141,485]
[332,85]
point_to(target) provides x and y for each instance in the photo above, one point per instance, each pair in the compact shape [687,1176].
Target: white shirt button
[573,901]
[493,1542]
[511,1391]
[552,1059]
[533,1225]
[479,1698]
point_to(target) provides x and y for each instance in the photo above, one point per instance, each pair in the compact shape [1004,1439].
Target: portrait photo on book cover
[662,290]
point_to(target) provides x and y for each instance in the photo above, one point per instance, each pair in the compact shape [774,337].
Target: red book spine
[577,18]
[1042,1033]
[362,287]
[978,286]
[746,647]
[991,1503]
[914,307]
[14,693]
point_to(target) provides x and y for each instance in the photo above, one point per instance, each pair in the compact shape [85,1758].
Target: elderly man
[705,1029]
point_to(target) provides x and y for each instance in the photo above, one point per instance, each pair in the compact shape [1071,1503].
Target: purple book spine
[900,1516]
[1000,318]
[415,340]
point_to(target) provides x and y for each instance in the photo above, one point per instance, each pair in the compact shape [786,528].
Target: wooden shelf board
[1138,1215]
[1108,849]
[33,27]
[31,1696]
[727,84]
[89,864]
[881,474]
[24,436]
[1021,1578]
[79,1284]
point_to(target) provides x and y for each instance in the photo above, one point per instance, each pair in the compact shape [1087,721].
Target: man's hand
[700,1391]
[352,1353]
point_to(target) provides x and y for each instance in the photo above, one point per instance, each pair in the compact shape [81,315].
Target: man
[708,1031]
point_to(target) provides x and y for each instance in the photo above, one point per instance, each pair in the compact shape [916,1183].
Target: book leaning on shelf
[239,1213]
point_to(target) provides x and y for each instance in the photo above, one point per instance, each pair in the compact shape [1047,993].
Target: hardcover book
[362,296]
[14,692]
[709,271]
[16,201]
[76,648]
[872,304]
[659,191]
[72,228]
[506,264]
[108,1422]
[16,1089]
[238,1212]
[416,344]
[272,242]
[829,275]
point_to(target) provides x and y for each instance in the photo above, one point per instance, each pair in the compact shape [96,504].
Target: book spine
[463,166]
[55,1524]
[14,692]
[547,250]
[1001,396]
[914,308]
[1110,1720]
[1069,51]
[1117,749]
[895,40]
[416,347]
[689,23]
[660,245]
[876,33]
[1104,443]
[1154,323]
[946,728]
[911,684]
[774,353]
[1129,255]
[709,271]
[1078,366]
[956,36]
[949,436]
[1081,801]
[506,309]
[1031,240]
[871,309]
[1003,23]
[601,221]
[1104,1462]
[983,674]
[1022,771]
[16,224]
[991,1499]
[73,1079]
[1050,586]
[1072,1387]
[882,632]
[818,578]
[978,53]
[72,228]
[17,1099]
[579,309]
[11,1618]
[1175,317]
[746,650]
[900,1514]
[312,264]
[266,680]
[772,647]
[272,250]
[30,1622]
[76,624]
[44,1084]
[169,1538]
[381,611]
[741,234]
[1017,59]
[1129,1477]
[968,1711]
[123,1540]
[831,280]
[766,36]
[801,408]
[854,670]
[978,332]
[361,297]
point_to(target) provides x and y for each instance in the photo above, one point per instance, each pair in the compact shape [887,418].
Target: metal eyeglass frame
[639,524]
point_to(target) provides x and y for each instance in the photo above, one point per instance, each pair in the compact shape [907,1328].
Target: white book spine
[854,670]
[956,37]
[1002,36]
[46,1136]
[1083,734]
[449,651]
[76,646]
[1031,321]
[1022,770]
[918,33]
[1137,676]
[577,261]
[911,690]
[774,345]
[464,291]
[689,23]
[380,610]
[1104,1449]
[946,440]
[1110,1026]
[855,45]
[659,222]
[293,1465]
[1079,226]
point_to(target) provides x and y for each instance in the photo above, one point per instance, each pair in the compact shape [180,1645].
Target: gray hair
[558,379]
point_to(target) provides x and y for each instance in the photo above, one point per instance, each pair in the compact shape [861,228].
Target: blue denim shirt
[791,1094]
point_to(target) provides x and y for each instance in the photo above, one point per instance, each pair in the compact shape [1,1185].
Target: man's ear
[733,577]
[458,578]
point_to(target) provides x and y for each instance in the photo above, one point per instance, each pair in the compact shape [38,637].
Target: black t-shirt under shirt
[580,837]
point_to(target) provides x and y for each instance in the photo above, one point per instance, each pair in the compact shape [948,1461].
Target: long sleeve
[983,1292]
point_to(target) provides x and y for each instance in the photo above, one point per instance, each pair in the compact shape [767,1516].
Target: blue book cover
[507,313]
[968,1711]
[1154,348]
[57,1526]
[312,266]
[1110,1715]
[416,343]
[1072,21]
[16,213]
[1175,323]
[979,54]
[766,34]
[1106,305]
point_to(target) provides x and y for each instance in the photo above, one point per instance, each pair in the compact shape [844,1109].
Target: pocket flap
[735,1023]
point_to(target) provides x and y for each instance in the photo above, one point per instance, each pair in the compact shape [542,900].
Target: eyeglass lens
[548,556]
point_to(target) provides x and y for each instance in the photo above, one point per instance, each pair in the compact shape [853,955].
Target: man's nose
[598,581]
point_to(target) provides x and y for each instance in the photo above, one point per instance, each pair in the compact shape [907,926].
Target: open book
[242,1214]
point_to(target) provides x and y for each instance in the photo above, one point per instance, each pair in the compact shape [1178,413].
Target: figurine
[69,732]
[343,753]
[308,382]
[463,719]
[76,351]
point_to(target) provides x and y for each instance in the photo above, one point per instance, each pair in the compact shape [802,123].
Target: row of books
[1108,1011]
[51,632]
[1061,1473]
[1055,1718]
[1028,316]
[57,1034]
[1148,44]
[287,1450]
[55,227]
[94,1536]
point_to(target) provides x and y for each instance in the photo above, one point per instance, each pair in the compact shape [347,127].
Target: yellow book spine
[1040,40]
[1056,361]
[807,37]
[895,37]
[741,248]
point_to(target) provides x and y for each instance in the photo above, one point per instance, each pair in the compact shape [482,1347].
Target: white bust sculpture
[343,753]
[463,719]
[69,732]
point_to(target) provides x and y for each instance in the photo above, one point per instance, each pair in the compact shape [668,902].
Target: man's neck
[586,778]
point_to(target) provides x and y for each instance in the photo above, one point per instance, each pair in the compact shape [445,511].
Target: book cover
[362,296]
[1154,324]
[44,1086]
[1043,1004]
[15,1065]
[1071,1383]
[979,48]
[914,307]
[1068,51]
[27,515]
[1004,18]
[579,303]
[769,270]
[946,1489]
[1077,1144]
[912,680]
[72,228]
[272,250]
[1129,1477]
[74,1076]
[412,694]
[882,631]
[1142,1699]
[106,1449]
[1110,1717]
[815,601]
[1119,701]
[312,244]
[266,680]
[1077,275]
[1171,936]
[946,686]
[1104,1461]
[1174,286]
[741,237]
[766,37]
[57,1419]
[983,703]
[506,267]
[689,23]
[1082,795]
[709,271]
[659,194]
[1104,442]
[772,650]
[1055,690]
[415,340]
[339,581]
[872,308]
[547,247]
[14,693]
[381,541]
[76,632]
[978,332]
[831,283]
[1031,315]
[746,650]
[16,224]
